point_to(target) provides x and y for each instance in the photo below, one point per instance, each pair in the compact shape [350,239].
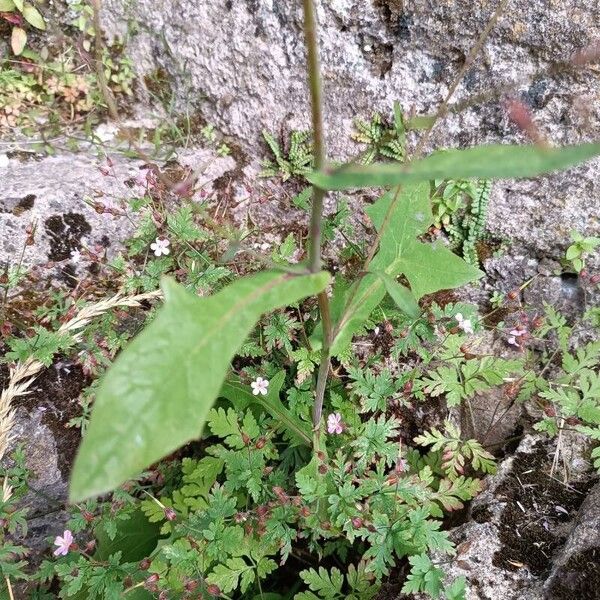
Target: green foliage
[139,415]
[296,163]
[42,345]
[461,208]
[454,451]
[458,378]
[482,162]
[30,15]
[399,217]
[382,139]
[579,249]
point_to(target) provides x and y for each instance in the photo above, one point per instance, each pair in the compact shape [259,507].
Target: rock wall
[241,63]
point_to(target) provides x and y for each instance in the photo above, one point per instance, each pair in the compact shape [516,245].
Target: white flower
[160,246]
[75,256]
[260,386]
[464,324]
[4,160]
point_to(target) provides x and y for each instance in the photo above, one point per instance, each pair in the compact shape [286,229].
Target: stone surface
[56,194]
[241,66]
[51,193]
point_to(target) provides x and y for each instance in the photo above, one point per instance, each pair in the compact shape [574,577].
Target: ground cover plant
[240,446]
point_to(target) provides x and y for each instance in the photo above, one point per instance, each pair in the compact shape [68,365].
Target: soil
[56,391]
[65,233]
[536,506]
[580,578]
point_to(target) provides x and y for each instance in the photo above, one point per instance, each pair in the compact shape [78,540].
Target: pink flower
[334,423]
[64,543]
[515,334]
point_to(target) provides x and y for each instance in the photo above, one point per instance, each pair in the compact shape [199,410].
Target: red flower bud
[323,469]
[513,294]
[170,514]
[144,564]
[594,279]
[408,386]
[550,411]
[246,439]
[357,522]
[213,590]
[261,443]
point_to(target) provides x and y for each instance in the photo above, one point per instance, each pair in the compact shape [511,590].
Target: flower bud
[170,514]
[357,522]
[260,443]
[213,590]
[144,564]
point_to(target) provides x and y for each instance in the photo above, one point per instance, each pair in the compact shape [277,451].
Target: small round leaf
[18,39]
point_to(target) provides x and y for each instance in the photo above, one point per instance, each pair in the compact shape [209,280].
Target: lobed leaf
[500,161]
[157,395]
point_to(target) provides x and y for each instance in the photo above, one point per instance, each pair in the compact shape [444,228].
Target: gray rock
[57,195]
[45,501]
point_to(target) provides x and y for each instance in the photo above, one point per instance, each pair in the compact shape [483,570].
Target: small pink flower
[334,423]
[64,543]
[515,334]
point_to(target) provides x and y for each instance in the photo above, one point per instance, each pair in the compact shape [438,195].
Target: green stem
[314,257]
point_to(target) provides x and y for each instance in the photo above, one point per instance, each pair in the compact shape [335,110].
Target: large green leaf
[486,162]
[6,5]
[433,267]
[399,216]
[401,295]
[157,394]
[136,538]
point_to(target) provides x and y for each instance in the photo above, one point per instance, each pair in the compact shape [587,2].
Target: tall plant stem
[316,220]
